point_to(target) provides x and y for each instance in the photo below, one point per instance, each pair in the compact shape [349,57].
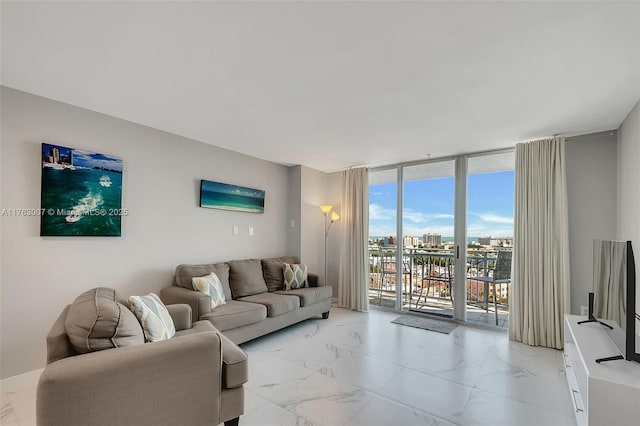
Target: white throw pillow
[153,316]
[211,286]
[295,276]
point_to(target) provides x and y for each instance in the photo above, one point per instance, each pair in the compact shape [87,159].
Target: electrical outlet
[235,230]
[584,311]
[292,223]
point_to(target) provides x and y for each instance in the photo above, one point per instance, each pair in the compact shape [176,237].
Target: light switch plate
[235,230]
[251,231]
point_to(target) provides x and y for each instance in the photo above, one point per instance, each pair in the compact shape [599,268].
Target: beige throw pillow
[153,316]
[211,286]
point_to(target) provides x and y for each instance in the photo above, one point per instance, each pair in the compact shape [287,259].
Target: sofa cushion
[235,314]
[245,278]
[211,286]
[295,276]
[235,364]
[156,322]
[185,273]
[310,295]
[97,321]
[272,271]
[276,304]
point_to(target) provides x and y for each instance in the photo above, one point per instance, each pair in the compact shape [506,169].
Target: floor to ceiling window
[427,244]
[383,201]
[435,239]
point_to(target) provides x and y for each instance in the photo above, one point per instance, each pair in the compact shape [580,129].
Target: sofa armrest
[200,303]
[181,315]
[313,280]
[141,384]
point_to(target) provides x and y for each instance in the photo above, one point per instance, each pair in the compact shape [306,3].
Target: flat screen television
[617,302]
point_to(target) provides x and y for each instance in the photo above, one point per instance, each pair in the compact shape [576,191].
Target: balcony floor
[441,307]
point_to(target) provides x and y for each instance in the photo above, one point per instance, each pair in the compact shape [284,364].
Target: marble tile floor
[360,369]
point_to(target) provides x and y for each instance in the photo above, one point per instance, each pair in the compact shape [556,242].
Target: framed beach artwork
[81,193]
[216,195]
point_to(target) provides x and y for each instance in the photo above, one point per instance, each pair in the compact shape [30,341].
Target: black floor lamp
[328,221]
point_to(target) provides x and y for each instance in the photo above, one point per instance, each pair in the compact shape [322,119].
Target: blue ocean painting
[81,193]
[216,195]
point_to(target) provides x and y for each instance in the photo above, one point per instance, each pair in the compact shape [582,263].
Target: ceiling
[331,85]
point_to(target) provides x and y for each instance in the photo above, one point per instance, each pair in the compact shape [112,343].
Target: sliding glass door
[435,230]
[428,237]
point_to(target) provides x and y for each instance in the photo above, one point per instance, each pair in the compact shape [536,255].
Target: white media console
[608,393]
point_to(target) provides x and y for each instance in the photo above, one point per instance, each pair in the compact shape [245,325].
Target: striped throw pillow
[211,286]
[154,317]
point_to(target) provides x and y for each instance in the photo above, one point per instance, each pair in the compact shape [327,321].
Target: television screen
[616,301]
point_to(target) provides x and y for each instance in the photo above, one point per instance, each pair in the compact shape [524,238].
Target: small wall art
[81,193]
[216,195]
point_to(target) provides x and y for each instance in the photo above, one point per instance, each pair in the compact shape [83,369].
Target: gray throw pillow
[272,269]
[245,278]
[97,321]
[185,273]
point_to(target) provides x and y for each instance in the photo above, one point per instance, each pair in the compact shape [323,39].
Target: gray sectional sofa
[100,372]
[256,302]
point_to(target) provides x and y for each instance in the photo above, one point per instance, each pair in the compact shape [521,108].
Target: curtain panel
[541,274]
[353,283]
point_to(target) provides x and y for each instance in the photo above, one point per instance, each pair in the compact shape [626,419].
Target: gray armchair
[194,378]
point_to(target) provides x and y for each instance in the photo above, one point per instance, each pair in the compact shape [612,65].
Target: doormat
[426,324]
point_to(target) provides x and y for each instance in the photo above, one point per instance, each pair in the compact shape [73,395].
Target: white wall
[313,194]
[591,187]
[334,197]
[312,188]
[295,214]
[39,276]
[629,182]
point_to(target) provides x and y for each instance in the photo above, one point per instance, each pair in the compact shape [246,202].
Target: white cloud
[414,216]
[441,216]
[417,217]
[377,212]
[382,230]
[493,218]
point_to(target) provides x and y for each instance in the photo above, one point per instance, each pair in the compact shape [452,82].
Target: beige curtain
[610,280]
[541,275]
[353,292]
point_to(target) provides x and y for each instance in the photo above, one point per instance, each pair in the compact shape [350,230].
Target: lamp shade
[334,216]
[326,208]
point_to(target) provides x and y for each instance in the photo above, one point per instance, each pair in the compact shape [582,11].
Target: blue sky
[86,159]
[429,206]
[92,159]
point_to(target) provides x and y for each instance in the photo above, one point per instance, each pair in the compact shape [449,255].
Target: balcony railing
[428,276]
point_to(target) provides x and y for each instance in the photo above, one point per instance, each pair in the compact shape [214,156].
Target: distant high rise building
[432,240]
[410,241]
[55,153]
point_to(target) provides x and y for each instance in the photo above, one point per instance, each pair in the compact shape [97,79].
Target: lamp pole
[326,234]
[328,221]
